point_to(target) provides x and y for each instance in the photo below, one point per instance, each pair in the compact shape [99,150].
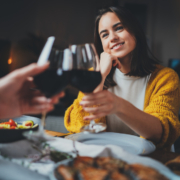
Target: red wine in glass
[58,75]
[85,81]
[50,82]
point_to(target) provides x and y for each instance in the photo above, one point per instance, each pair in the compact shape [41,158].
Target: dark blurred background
[26,24]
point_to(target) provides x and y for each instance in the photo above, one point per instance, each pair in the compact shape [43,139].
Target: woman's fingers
[95,116]
[105,101]
[98,109]
[116,63]
[93,96]
[102,97]
[86,103]
[92,101]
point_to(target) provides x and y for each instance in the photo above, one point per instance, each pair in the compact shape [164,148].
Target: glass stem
[43,121]
[92,122]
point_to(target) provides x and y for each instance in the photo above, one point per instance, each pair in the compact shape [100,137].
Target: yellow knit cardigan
[162,100]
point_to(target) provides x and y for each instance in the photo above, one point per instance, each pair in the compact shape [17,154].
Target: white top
[131,89]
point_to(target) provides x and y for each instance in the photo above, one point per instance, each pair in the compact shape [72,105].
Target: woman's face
[116,40]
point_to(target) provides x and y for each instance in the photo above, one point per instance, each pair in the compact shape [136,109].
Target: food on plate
[93,173]
[105,168]
[145,173]
[83,162]
[66,172]
[28,123]
[115,175]
[110,164]
[11,124]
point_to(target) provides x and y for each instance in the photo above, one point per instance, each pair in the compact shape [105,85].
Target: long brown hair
[143,61]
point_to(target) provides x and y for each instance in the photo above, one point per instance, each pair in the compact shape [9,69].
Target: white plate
[130,143]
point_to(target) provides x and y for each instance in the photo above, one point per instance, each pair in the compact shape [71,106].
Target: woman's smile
[117,46]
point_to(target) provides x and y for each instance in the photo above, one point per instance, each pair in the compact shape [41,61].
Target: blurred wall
[163,27]
[72,21]
[166,30]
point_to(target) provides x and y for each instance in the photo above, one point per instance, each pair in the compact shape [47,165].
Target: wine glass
[53,80]
[86,76]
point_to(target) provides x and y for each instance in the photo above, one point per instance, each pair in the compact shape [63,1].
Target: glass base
[94,128]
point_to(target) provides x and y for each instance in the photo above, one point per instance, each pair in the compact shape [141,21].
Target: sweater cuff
[165,134]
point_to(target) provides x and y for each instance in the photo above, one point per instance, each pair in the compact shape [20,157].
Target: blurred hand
[106,63]
[105,101]
[17,96]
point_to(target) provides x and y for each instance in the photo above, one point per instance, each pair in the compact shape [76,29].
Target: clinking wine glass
[53,80]
[86,76]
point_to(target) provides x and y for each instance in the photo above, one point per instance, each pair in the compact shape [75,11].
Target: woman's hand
[106,63]
[105,101]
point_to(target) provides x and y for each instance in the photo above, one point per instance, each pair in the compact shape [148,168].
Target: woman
[137,95]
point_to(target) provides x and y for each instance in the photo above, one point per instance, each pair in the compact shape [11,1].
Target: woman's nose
[113,36]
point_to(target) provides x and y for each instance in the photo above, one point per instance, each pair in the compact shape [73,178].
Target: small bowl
[11,135]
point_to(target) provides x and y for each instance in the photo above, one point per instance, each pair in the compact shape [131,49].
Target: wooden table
[160,155]
[56,134]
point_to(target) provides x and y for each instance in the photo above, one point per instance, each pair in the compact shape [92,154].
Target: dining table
[159,154]
[43,170]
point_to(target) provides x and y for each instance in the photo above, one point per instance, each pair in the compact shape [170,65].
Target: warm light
[9,61]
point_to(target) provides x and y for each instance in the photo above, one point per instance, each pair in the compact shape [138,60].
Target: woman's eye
[119,28]
[104,35]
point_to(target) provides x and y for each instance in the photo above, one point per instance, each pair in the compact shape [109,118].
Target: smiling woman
[137,95]
[116,40]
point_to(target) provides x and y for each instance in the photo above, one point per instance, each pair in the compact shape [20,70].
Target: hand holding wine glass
[53,80]
[16,96]
[86,76]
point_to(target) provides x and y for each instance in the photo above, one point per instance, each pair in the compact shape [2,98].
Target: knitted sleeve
[73,119]
[163,101]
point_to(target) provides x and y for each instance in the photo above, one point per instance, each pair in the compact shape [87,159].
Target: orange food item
[28,124]
[82,162]
[66,172]
[91,173]
[145,173]
[118,176]
[101,168]
[12,123]
[13,127]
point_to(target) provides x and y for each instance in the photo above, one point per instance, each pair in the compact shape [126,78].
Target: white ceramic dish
[132,144]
